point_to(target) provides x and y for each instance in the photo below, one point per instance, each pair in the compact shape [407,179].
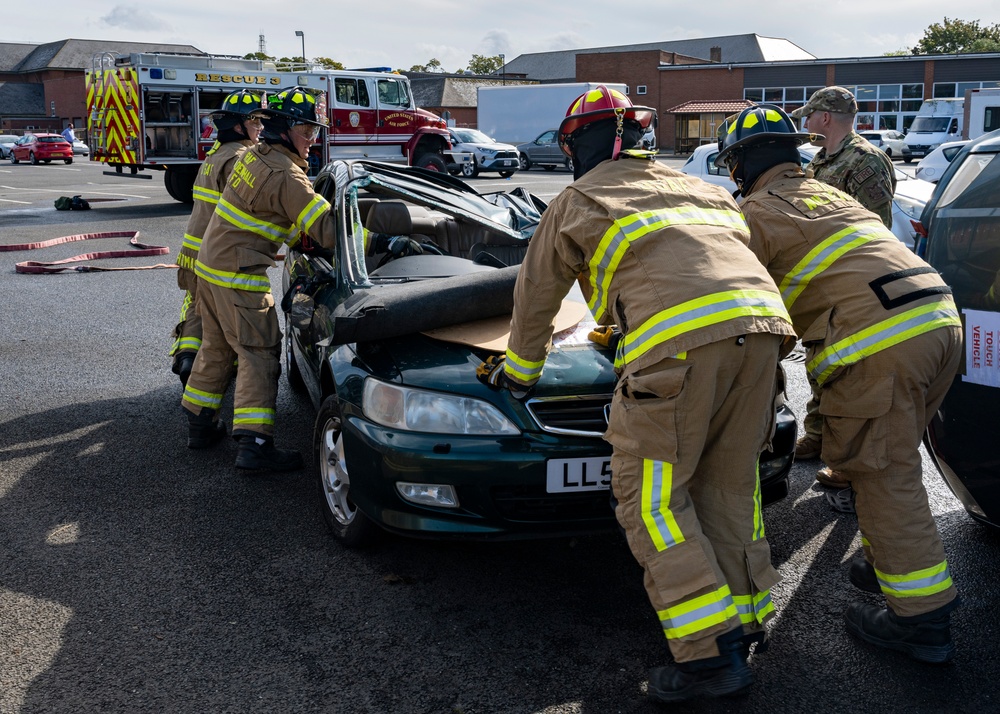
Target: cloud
[130,18]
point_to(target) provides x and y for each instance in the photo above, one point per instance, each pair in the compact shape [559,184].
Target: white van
[937,121]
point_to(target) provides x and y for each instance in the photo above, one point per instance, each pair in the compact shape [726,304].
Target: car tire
[32,159]
[907,159]
[549,167]
[432,162]
[68,161]
[13,159]
[524,161]
[470,170]
[888,152]
[569,164]
[507,174]
[347,524]
[295,381]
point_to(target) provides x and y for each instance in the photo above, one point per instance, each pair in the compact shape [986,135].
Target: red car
[41,148]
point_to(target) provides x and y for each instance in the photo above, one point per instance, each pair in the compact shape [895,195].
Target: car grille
[506,155]
[920,148]
[532,503]
[581,415]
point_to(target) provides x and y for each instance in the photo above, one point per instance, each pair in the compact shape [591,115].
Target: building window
[640,89]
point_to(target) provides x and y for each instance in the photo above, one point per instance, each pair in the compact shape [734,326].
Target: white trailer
[518,114]
[982,113]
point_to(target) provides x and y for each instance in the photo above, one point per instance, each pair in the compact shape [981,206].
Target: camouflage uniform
[860,170]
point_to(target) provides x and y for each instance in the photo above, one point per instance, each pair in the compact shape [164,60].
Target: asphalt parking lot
[139,576]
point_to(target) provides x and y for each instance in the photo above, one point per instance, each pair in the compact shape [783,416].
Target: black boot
[203,429]
[863,577]
[713,677]
[258,453]
[925,638]
[182,366]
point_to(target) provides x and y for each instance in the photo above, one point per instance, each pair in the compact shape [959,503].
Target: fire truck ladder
[101,63]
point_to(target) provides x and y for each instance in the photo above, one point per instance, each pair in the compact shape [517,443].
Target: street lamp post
[503,69]
[300,33]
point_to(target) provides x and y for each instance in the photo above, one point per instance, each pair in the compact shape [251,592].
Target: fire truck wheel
[432,162]
[179,182]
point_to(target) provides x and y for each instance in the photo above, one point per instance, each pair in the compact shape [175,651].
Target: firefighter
[663,257]
[238,121]
[883,340]
[267,201]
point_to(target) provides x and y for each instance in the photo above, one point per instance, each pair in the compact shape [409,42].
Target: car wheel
[432,162]
[69,161]
[907,159]
[888,152]
[506,174]
[470,169]
[33,159]
[13,159]
[347,524]
[295,380]
[524,161]
[569,164]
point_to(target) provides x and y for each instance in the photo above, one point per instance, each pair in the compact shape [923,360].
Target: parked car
[488,154]
[41,148]
[406,437]
[962,221]
[931,167]
[892,142]
[544,151]
[6,144]
[907,203]
[79,148]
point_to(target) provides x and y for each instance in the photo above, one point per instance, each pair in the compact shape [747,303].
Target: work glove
[398,246]
[492,375]
[607,336]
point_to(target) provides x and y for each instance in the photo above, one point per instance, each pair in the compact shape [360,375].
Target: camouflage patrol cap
[829,99]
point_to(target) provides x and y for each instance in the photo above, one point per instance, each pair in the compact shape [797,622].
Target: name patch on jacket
[820,202]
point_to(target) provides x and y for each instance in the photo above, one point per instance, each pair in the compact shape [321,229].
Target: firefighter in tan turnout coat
[268,201]
[238,125]
[883,341]
[664,257]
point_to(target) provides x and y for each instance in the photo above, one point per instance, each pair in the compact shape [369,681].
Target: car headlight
[488,152]
[411,409]
[909,206]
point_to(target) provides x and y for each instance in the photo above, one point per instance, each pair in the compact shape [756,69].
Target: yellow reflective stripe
[919,583]
[699,313]
[758,516]
[881,336]
[237,281]
[312,213]
[200,398]
[207,195]
[244,221]
[253,415]
[186,305]
[192,243]
[657,483]
[698,614]
[191,344]
[522,369]
[865,541]
[618,238]
[754,608]
[824,255]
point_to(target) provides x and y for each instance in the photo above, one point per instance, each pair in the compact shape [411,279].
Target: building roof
[560,66]
[20,99]
[452,90]
[75,54]
[697,106]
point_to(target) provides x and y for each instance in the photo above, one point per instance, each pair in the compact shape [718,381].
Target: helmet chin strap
[616,150]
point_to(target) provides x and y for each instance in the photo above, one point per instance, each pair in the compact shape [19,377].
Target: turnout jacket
[861,170]
[268,200]
[207,190]
[851,287]
[661,254]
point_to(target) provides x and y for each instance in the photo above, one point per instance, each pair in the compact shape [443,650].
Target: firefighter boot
[203,429]
[863,577]
[808,447]
[183,363]
[258,453]
[925,638]
[712,677]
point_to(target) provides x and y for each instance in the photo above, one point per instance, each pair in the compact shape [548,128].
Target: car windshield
[930,124]
[472,136]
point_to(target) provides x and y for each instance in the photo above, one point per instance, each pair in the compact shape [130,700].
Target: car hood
[915,189]
[491,147]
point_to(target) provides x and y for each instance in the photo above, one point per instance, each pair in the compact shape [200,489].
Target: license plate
[572,475]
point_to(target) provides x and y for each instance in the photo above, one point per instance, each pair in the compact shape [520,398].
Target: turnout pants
[187,333]
[874,416]
[688,433]
[243,325]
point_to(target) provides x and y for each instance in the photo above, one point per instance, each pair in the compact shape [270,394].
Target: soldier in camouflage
[849,162]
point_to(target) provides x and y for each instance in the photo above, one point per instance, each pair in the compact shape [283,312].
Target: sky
[400,35]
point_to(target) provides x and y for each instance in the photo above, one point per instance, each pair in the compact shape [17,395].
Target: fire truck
[152,112]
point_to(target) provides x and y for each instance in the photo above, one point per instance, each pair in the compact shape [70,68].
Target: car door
[395,117]
[354,111]
[546,149]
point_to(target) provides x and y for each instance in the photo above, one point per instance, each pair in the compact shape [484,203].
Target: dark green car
[406,438]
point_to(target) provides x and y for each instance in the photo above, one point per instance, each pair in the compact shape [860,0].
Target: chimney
[715,54]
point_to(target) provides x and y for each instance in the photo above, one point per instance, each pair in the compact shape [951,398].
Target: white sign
[982,348]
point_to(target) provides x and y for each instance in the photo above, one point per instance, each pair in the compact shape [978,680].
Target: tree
[327,63]
[481,64]
[258,56]
[957,37]
[433,65]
